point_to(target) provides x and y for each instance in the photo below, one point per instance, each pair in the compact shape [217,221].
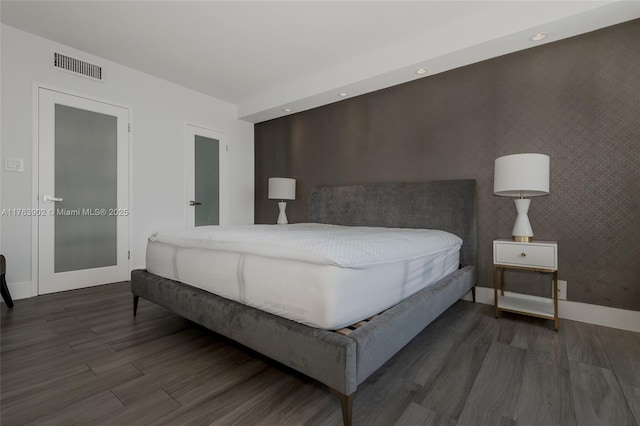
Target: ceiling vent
[76,66]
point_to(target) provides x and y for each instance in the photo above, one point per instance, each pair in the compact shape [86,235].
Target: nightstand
[540,256]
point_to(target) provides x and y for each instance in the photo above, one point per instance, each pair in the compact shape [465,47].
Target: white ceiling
[265,56]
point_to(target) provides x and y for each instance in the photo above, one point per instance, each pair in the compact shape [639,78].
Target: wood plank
[128,333]
[85,411]
[141,387]
[36,333]
[547,346]
[28,355]
[584,344]
[623,351]
[35,353]
[150,332]
[597,397]
[448,391]
[26,313]
[632,395]
[176,335]
[441,338]
[53,368]
[323,411]
[214,406]
[116,319]
[50,400]
[415,415]
[276,397]
[317,402]
[12,319]
[16,393]
[201,351]
[500,404]
[384,402]
[215,380]
[422,366]
[173,377]
[514,329]
[546,396]
[142,412]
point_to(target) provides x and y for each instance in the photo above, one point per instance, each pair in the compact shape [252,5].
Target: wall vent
[76,66]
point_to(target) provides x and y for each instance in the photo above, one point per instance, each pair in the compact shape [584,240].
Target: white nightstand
[540,256]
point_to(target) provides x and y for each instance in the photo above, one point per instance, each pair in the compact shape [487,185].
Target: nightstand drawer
[525,254]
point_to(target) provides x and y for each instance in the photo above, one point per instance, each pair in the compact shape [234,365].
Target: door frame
[189,156]
[35,173]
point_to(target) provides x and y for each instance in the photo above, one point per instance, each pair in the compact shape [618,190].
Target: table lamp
[522,175]
[282,189]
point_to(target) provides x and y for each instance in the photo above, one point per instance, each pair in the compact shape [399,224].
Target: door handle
[50,199]
[195,203]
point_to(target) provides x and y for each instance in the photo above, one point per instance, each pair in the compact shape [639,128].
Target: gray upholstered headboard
[449,205]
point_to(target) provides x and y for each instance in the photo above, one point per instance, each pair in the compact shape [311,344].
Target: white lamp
[522,175]
[282,189]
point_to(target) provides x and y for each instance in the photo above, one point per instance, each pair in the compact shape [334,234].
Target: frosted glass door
[82,192]
[207,181]
[86,180]
[206,153]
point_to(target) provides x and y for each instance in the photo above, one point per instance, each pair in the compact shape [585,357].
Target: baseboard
[576,311]
[20,290]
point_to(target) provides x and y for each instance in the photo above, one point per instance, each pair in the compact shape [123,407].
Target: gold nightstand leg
[555,300]
[502,281]
[495,291]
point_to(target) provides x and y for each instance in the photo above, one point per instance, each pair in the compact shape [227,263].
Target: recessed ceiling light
[287,110]
[538,37]
[343,94]
[421,71]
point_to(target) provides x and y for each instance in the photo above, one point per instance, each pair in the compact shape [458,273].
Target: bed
[342,360]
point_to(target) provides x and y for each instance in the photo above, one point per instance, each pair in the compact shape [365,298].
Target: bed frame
[342,362]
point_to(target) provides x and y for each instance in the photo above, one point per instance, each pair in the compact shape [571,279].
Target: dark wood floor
[80,357]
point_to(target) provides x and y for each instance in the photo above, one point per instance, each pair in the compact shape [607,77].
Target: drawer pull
[523,254]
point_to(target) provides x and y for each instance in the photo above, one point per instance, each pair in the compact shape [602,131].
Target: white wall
[158,111]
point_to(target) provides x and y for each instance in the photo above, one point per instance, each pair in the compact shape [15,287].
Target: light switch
[14,164]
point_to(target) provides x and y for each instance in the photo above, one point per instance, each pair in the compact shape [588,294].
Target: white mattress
[324,276]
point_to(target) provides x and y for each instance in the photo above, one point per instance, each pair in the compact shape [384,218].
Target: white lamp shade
[521,173]
[282,189]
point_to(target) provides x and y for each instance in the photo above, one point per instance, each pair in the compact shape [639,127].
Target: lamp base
[522,231]
[282,217]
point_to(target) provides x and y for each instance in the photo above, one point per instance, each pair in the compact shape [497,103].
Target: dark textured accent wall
[577,100]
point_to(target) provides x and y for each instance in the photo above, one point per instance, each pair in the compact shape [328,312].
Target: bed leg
[346,401]
[135,304]
[473,293]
